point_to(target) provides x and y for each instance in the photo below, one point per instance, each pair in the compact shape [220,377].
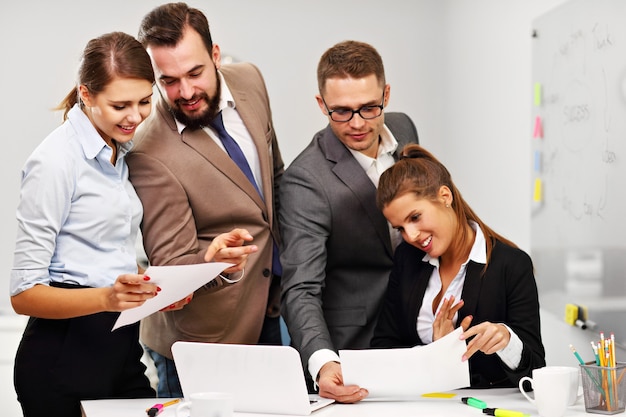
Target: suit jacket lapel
[415,294]
[253,122]
[471,288]
[348,170]
[200,141]
[255,126]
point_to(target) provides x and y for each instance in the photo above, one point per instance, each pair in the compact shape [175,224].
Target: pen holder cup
[604,388]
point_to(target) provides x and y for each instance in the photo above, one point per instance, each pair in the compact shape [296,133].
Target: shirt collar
[388,145]
[478,253]
[89,138]
[226,100]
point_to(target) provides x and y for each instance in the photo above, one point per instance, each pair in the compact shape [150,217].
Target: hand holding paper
[176,282]
[396,374]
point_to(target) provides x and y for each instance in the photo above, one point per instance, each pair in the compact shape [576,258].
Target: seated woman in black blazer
[449,254]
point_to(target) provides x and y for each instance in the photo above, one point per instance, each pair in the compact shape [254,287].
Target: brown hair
[350,59]
[106,57]
[165,24]
[419,172]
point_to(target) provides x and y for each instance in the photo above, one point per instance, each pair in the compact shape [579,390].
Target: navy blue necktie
[235,153]
[233,149]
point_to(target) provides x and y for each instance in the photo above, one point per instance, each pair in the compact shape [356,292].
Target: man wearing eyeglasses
[337,246]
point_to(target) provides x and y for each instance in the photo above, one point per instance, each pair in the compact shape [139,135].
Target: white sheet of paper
[176,282]
[407,373]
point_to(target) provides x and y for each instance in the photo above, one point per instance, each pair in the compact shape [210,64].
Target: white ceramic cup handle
[521,382]
[181,407]
[580,393]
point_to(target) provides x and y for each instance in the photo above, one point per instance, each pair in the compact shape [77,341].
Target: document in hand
[407,373]
[176,282]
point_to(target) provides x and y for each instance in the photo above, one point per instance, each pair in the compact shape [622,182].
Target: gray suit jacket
[192,191]
[337,252]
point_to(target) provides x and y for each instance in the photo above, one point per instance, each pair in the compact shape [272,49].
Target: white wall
[459,68]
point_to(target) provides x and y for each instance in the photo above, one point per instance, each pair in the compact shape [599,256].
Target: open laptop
[263,379]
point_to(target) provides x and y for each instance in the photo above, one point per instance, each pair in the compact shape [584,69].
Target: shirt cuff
[234,277]
[24,279]
[511,354]
[318,359]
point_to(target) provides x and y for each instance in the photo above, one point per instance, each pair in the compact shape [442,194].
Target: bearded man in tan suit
[192,190]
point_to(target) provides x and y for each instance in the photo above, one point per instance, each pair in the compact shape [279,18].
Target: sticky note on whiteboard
[537,161]
[537,190]
[537,94]
[538,133]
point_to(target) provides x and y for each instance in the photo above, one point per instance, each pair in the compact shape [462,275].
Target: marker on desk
[501,412]
[581,323]
[157,408]
[474,402]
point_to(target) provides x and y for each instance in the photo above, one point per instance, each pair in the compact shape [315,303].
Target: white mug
[207,404]
[575,389]
[552,387]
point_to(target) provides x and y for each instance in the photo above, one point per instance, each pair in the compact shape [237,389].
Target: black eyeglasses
[345,115]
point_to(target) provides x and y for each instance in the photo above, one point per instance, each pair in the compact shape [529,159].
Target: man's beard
[206,117]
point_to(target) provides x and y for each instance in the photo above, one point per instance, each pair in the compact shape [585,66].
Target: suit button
[266,272]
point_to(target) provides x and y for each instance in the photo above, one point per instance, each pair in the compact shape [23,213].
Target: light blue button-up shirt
[78,215]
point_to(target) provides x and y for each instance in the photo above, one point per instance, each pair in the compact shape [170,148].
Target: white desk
[508,398]
[556,338]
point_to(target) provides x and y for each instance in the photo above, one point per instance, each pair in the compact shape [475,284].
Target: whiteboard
[578,133]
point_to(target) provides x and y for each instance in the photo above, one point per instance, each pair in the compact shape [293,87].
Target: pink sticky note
[538,128]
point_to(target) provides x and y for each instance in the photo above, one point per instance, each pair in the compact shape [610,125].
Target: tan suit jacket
[192,191]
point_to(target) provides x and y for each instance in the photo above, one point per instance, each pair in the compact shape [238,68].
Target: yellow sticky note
[537,94]
[537,191]
[439,395]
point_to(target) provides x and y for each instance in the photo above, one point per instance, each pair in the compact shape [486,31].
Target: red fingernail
[146,278]
[158,289]
[188,300]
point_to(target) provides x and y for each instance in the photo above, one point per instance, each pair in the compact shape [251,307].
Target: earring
[447,205]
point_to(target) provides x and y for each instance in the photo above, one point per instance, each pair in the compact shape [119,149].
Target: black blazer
[506,293]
